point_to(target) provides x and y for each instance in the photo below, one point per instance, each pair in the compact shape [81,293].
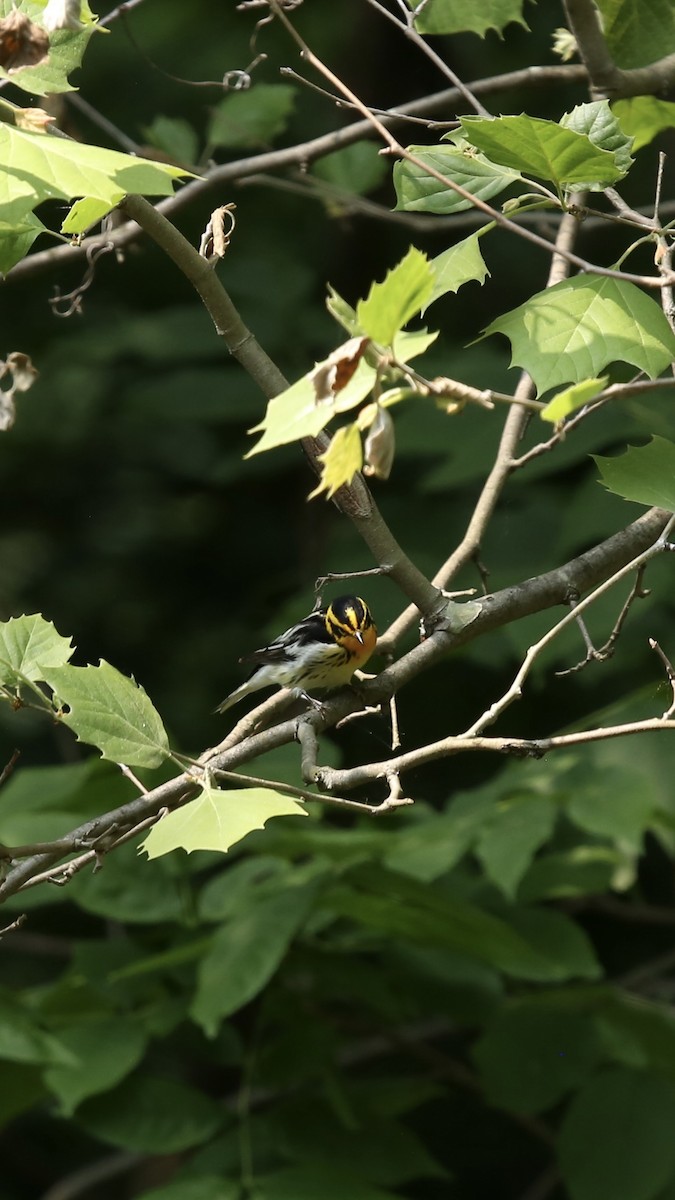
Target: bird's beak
[359,636]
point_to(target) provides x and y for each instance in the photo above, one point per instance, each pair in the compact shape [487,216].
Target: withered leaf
[334,373]
[378,451]
[22,42]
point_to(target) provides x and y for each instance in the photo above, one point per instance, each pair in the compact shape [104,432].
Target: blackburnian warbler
[321,651]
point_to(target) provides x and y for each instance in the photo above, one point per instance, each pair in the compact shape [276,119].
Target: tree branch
[227,174]
[582,573]
[607,80]
[354,500]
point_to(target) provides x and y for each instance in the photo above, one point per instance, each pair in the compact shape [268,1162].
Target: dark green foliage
[465,999]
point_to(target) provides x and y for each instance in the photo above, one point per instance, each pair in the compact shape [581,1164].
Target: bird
[323,651]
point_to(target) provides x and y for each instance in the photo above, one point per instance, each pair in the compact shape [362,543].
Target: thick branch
[581,574]
[354,500]
[607,80]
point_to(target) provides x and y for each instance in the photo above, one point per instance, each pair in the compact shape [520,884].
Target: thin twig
[14,925]
[407,28]
[226,174]
[514,692]
[399,151]
[669,672]
[245,743]
[99,1172]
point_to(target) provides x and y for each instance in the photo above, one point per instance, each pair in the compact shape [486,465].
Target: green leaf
[246,953]
[615,802]
[531,1055]
[151,1116]
[573,398]
[342,312]
[569,332]
[638,32]
[241,884]
[217,819]
[28,645]
[124,892]
[417,191]
[308,1183]
[21,1039]
[457,265]
[643,117]
[111,712]
[430,848]
[520,825]
[410,345]
[565,947]
[581,871]
[66,50]
[390,305]
[103,1052]
[467,16]
[403,908]
[41,803]
[251,118]
[22,1089]
[41,167]
[16,239]
[206,1187]
[295,413]
[381,1151]
[83,214]
[645,474]
[636,1032]
[617,1139]
[174,136]
[341,461]
[542,148]
[602,127]
[356,169]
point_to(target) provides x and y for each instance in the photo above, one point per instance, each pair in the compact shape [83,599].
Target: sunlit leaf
[571,331]
[391,304]
[215,820]
[295,413]
[541,148]
[28,646]
[601,126]
[572,398]
[341,461]
[83,214]
[66,50]
[112,712]
[457,265]
[40,167]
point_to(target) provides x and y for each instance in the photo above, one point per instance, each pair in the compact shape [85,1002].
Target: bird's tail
[234,697]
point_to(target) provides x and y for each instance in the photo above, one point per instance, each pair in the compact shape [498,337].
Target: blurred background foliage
[130,518]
